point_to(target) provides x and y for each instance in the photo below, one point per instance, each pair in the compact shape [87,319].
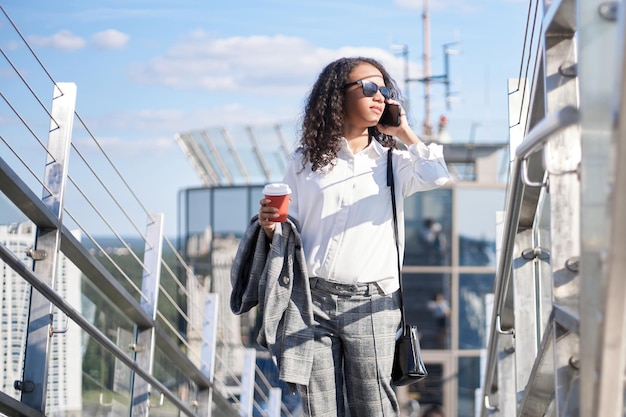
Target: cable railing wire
[117,235]
[117,203]
[114,167]
[26,125]
[528,104]
[188,269]
[28,46]
[174,304]
[76,149]
[179,257]
[105,254]
[235,379]
[182,289]
[180,285]
[183,340]
[26,165]
[268,386]
[77,115]
[173,275]
[117,171]
[29,87]
[257,387]
[521,64]
[179,336]
[532,36]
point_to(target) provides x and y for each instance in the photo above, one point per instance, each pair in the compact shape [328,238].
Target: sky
[146,70]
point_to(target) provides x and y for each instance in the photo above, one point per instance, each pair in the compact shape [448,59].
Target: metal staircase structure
[557,343]
[86,330]
[154,365]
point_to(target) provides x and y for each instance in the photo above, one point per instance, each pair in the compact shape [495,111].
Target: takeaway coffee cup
[279,193]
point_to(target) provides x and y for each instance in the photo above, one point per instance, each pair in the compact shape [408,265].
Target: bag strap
[390,183]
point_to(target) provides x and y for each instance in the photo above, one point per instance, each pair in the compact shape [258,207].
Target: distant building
[450,248]
[64,393]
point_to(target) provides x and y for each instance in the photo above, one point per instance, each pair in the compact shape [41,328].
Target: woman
[342,204]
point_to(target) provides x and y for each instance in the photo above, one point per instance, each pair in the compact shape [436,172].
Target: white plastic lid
[277,188]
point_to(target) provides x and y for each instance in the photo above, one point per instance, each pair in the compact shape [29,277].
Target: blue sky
[146,70]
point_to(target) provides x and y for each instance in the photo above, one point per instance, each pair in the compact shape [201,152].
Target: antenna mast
[428,79]
[428,129]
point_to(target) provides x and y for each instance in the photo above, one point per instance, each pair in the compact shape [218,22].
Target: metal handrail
[534,140]
[18,266]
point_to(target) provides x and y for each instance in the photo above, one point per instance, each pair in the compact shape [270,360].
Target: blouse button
[285,280]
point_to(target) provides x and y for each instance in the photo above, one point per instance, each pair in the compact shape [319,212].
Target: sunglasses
[371,88]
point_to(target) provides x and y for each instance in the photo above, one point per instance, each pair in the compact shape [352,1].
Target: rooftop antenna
[427,128]
[427,79]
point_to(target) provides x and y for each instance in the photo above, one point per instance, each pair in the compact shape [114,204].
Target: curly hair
[322,126]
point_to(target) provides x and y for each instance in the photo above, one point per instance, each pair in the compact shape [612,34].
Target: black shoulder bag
[408,367]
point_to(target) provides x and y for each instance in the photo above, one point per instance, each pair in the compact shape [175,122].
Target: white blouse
[345,212]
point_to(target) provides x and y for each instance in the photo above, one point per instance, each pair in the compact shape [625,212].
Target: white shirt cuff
[429,152]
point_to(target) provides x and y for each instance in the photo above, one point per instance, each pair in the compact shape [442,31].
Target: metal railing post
[246,400]
[35,377]
[145,337]
[209,346]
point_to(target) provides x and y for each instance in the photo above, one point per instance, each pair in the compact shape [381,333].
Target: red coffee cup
[280,196]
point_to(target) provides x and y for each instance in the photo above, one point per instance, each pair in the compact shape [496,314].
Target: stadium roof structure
[246,155]
[240,155]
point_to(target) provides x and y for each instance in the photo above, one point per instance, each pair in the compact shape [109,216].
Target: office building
[450,254]
[64,394]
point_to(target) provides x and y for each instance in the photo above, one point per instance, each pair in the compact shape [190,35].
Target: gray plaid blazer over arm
[274,277]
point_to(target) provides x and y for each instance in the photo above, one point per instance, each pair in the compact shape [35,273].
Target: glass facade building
[449,265]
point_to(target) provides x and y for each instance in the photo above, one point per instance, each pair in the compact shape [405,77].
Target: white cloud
[255,64]
[110,39]
[156,121]
[12,45]
[64,40]
[128,148]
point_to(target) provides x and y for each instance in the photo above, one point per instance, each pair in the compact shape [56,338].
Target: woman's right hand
[266,215]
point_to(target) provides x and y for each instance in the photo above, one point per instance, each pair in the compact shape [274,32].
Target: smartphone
[391,115]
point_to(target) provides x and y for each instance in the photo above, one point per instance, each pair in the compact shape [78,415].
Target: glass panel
[231,210]
[256,194]
[9,213]
[424,297]
[174,380]
[172,298]
[104,314]
[477,225]
[472,315]
[17,236]
[197,236]
[105,382]
[429,390]
[542,239]
[469,381]
[198,211]
[428,222]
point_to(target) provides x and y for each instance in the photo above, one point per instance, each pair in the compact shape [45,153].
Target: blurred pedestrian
[433,410]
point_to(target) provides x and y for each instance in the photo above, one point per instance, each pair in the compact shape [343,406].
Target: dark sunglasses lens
[370,89]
